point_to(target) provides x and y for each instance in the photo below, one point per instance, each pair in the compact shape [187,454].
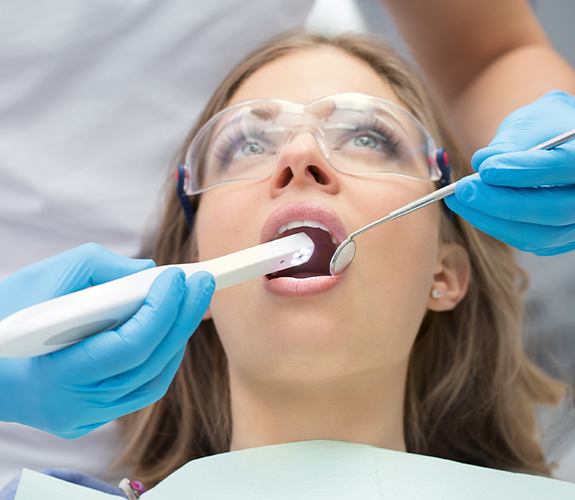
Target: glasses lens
[358,135]
[371,136]
[234,145]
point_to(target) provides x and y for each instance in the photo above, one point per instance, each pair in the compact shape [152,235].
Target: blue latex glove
[525,198]
[75,390]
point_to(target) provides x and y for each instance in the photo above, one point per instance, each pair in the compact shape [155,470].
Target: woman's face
[321,327]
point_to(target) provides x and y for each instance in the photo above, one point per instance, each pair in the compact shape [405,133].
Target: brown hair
[470,390]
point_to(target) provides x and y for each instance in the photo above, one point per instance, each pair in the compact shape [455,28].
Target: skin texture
[484,59]
[330,366]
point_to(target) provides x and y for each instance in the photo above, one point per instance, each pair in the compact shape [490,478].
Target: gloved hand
[525,198]
[75,390]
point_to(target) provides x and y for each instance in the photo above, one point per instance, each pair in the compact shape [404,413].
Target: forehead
[307,75]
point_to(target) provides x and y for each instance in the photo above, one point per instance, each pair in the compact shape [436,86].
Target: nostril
[317,174]
[285,177]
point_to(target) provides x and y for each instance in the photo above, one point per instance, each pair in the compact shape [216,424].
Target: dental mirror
[342,257]
[345,252]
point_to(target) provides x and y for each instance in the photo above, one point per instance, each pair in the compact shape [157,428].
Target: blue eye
[365,141]
[251,148]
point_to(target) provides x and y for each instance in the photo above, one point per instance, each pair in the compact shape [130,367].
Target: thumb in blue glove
[73,391]
[525,198]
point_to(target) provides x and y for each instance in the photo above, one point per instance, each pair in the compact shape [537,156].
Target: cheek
[411,239]
[406,248]
[227,221]
[405,251]
[223,224]
[395,262]
[395,269]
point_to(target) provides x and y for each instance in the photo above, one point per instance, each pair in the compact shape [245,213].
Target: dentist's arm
[75,390]
[483,59]
[487,61]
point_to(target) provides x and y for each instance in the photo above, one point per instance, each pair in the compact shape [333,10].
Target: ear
[451,278]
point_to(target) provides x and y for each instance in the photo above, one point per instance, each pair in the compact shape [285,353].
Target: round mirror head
[342,257]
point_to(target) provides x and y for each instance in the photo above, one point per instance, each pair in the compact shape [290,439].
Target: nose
[302,164]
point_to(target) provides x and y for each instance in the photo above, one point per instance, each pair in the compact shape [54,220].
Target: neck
[364,408]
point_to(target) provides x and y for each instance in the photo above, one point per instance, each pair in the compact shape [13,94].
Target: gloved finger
[535,238]
[68,272]
[144,395]
[109,353]
[531,168]
[547,117]
[550,206]
[79,431]
[544,252]
[151,391]
[520,137]
[92,264]
[200,288]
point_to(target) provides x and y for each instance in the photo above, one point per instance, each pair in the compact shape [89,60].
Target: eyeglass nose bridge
[306,128]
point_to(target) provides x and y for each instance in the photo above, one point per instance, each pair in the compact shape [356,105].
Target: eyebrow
[267,113]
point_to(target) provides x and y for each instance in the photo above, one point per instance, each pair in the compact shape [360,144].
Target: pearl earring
[435,293]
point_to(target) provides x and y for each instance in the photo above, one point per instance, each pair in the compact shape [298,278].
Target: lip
[291,287]
[301,211]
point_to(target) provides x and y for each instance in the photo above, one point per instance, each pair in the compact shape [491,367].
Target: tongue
[318,265]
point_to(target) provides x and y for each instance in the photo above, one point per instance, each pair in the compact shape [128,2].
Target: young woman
[416,347]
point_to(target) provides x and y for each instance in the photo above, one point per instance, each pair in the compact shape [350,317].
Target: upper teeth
[306,223]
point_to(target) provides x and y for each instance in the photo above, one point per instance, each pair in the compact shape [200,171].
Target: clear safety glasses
[357,134]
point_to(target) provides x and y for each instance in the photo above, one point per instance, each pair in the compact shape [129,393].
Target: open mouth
[325,246]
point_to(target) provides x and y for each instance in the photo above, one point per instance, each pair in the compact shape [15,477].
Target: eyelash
[228,146]
[235,137]
[374,126]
